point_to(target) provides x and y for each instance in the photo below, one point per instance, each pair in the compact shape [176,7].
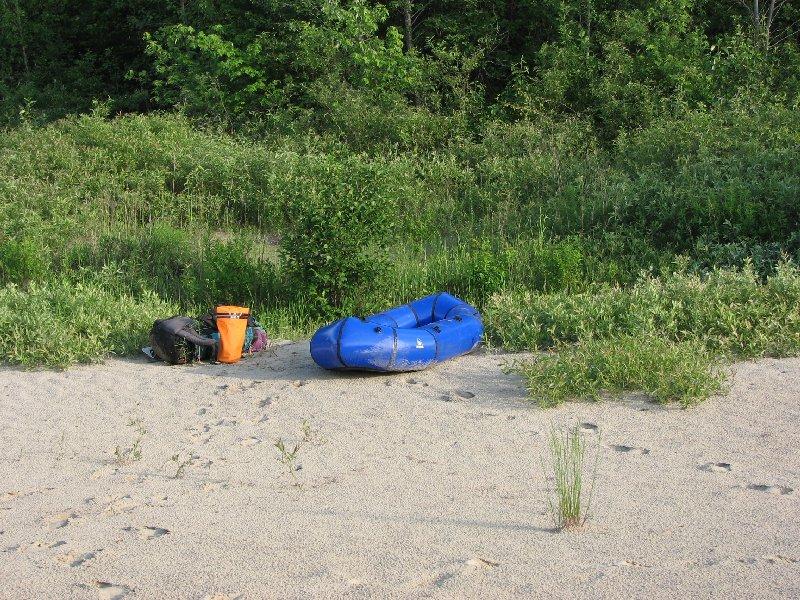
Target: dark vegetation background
[319,158]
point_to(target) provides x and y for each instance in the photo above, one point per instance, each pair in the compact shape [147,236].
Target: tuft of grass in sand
[683,372]
[181,464]
[288,458]
[573,477]
[132,453]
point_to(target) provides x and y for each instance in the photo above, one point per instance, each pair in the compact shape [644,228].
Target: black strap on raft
[339,344]
[433,308]
[413,310]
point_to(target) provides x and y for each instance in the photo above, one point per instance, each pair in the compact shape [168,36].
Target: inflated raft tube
[407,338]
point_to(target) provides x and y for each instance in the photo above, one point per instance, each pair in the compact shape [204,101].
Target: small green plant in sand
[288,458]
[138,425]
[306,430]
[309,434]
[132,453]
[180,465]
[573,477]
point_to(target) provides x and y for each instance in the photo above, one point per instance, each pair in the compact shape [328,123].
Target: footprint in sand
[111,591]
[778,490]
[147,532]
[249,441]
[13,495]
[631,563]
[159,501]
[781,559]
[60,520]
[629,449]
[41,544]
[471,566]
[265,402]
[457,395]
[481,563]
[75,559]
[589,428]
[105,471]
[120,504]
[716,467]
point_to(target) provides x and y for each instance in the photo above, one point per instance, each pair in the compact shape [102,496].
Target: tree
[762,17]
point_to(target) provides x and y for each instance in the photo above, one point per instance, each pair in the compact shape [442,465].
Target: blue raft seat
[407,338]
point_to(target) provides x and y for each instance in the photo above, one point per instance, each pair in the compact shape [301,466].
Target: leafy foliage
[337,231]
[667,371]
[302,228]
[623,64]
[59,323]
[730,312]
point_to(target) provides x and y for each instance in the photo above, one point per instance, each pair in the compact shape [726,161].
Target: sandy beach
[139,480]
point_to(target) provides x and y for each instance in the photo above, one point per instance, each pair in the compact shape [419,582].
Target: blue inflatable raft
[407,338]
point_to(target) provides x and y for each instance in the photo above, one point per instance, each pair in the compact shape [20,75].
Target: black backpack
[176,341]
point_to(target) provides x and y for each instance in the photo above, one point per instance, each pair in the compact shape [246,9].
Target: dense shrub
[191,268]
[729,311]
[61,322]
[302,229]
[22,260]
[666,371]
[339,220]
[726,176]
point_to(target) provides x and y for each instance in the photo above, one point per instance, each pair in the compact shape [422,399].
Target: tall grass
[573,477]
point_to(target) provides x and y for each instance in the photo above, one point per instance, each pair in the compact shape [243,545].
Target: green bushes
[730,312]
[708,179]
[477,268]
[191,268]
[60,323]
[727,176]
[22,261]
[682,372]
[303,230]
[339,218]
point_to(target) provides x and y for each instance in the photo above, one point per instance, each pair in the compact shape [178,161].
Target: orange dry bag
[232,327]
